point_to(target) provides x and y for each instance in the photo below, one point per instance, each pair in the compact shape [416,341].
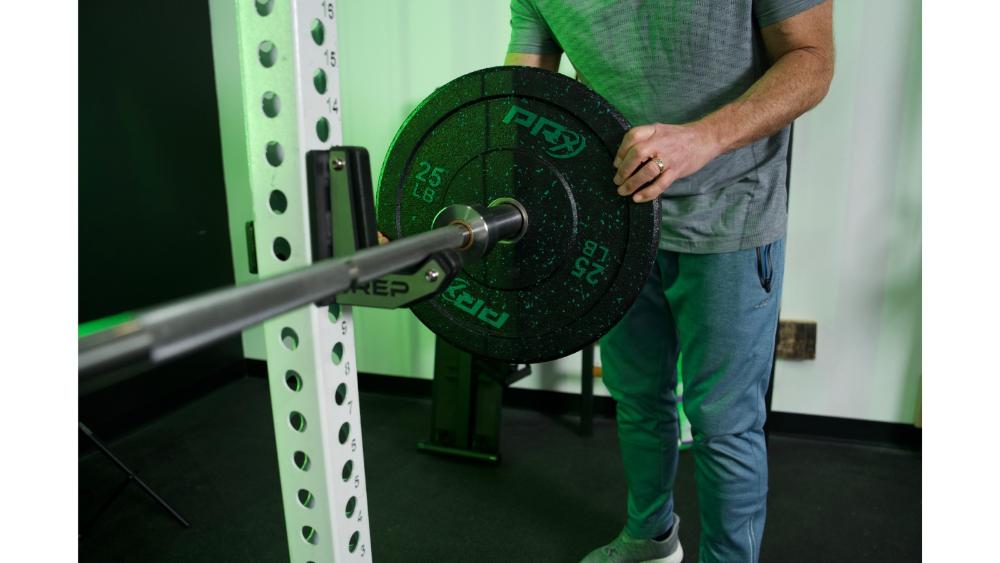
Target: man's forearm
[652,157]
[792,86]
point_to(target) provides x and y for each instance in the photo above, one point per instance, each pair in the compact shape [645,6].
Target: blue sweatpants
[720,312]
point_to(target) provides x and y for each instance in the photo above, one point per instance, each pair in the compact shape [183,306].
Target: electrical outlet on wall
[797,340]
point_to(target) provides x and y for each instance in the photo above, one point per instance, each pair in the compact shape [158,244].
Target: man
[712,86]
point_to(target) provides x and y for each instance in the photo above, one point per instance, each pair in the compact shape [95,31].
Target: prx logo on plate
[457,295]
[565,142]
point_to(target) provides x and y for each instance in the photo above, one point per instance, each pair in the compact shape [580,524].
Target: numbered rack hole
[282,249]
[340,394]
[346,472]
[309,534]
[267,53]
[353,543]
[289,338]
[278,201]
[352,503]
[345,432]
[301,460]
[274,153]
[333,311]
[306,498]
[338,353]
[323,129]
[271,104]
[297,421]
[318,31]
[265,7]
[319,81]
[293,380]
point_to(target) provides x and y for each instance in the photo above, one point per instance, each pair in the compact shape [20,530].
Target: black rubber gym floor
[554,497]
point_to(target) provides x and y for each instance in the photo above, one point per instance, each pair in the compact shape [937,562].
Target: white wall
[853,260]
[854,246]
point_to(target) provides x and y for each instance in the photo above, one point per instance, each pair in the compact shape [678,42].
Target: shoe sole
[675,557]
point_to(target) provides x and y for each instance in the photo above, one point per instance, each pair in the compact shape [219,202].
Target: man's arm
[531,41]
[801,50]
[548,61]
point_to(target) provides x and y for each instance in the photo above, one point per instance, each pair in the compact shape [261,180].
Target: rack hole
[338,353]
[319,81]
[309,534]
[346,472]
[318,32]
[264,7]
[297,421]
[289,338]
[271,104]
[282,249]
[334,312]
[267,53]
[278,201]
[345,432]
[352,503]
[274,153]
[293,380]
[306,498]
[301,460]
[323,129]
[340,394]
[353,543]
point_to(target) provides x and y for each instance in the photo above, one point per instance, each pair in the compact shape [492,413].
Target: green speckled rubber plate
[548,142]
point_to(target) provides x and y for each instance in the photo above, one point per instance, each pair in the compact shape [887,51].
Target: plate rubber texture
[549,142]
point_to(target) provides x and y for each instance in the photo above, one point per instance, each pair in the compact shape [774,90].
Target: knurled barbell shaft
[163,333]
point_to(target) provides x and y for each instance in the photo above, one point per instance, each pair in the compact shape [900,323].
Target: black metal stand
[466,403]
[777,329]
[587,392]
[131,478]
[770,386]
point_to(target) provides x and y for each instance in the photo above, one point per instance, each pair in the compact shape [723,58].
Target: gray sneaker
[626,549]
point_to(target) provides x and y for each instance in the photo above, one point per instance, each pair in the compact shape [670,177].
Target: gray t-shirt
[674,61]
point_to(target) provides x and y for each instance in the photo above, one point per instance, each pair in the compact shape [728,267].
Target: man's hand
[801,50]
[683,150]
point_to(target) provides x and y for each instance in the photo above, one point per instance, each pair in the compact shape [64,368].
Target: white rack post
[278,91]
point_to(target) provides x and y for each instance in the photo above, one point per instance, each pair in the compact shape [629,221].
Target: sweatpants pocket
[765,267]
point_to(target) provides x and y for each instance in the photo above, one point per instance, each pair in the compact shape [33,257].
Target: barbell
[497,193]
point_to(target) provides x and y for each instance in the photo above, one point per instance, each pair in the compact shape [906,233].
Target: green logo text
[565,143]
[457,295]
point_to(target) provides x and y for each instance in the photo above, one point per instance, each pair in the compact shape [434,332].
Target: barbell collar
[486,226]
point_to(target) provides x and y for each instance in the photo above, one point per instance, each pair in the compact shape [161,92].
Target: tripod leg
[131,477]
[159,500]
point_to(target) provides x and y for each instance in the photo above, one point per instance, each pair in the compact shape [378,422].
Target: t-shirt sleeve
[770,12]
[528,31]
